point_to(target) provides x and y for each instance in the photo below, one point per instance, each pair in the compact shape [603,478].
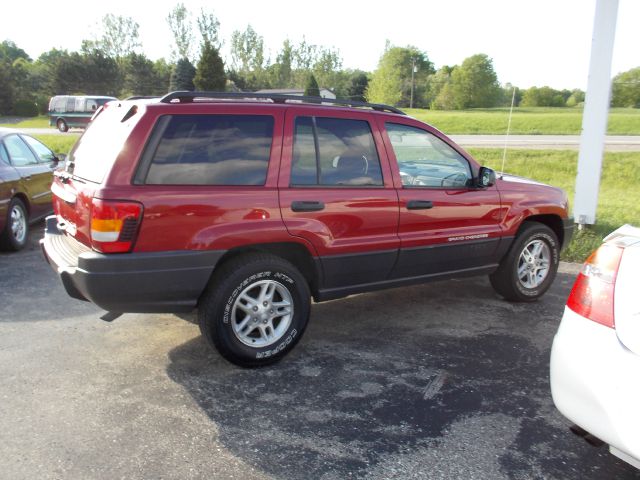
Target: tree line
[112,63]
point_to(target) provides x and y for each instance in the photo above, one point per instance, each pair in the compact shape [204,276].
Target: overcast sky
[532,42]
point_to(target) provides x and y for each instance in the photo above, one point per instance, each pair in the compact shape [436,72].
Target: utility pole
[414,69]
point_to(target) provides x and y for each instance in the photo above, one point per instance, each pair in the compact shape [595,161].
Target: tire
[530,266]
[62,125]
[250,285]
[16,230]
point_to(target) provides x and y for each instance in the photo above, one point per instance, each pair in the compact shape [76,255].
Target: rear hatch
[88,165]
[627,302]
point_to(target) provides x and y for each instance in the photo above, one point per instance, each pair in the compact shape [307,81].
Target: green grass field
[58,143]
[36,122]
[525,121]
[618,201]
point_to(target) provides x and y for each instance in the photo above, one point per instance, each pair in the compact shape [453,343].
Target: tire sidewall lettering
[271,350]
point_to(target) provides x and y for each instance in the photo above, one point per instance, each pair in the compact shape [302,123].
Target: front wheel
[16,230]
[530,266]
[62,125]
[255,309]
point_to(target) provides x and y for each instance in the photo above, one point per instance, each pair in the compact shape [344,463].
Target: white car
[595,359]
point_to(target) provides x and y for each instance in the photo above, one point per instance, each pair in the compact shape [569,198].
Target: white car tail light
[593,292]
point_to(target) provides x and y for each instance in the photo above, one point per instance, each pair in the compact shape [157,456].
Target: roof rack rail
[186,97]
[142,97]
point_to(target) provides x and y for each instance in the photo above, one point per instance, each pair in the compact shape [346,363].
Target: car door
[336,191]
[35,174]
[447,224]
[47,162]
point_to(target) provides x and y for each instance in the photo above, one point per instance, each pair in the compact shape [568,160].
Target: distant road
[614,143]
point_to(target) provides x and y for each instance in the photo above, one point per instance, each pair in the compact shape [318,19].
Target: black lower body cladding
[131,282]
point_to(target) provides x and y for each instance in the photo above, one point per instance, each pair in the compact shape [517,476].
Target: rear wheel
[62,125]
[530,266]
[255,309]
[16,230]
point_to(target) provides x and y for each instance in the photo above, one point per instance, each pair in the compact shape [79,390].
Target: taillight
[592,294]
[114,225]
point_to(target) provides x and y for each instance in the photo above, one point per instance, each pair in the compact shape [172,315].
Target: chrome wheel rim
[534,264]
[262,313]
[18,224]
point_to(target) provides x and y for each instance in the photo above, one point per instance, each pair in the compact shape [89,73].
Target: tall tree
[6,87]
[247,50]
[475,83]
[140,77]
[210,71]
[282,69]
[182,75]
[162,77]
[391,82]
[247,58]
[326,67]
[119,38]
[10,52]
[312,89]
[209,27]
[179,20]
[626,89]
[358,84]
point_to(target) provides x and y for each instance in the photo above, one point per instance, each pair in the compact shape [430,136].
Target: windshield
[95,152]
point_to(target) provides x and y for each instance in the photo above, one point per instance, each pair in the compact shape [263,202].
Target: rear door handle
[419,204]
[307,206]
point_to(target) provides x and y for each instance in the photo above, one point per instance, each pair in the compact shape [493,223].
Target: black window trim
[317,149]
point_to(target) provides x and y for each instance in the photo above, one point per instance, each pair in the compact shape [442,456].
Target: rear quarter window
[212,150]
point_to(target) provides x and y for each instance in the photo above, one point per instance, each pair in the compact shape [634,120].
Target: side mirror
[58,160]
[486,177]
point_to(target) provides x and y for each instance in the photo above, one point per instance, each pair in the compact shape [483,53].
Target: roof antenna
[506,138]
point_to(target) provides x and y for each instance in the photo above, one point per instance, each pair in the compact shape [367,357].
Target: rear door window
[213,150]
[44,154]
[334,151]
[19,153]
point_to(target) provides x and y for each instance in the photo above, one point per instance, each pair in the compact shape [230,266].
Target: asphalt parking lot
[437,381]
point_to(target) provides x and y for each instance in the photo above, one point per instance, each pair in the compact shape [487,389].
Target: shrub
[25,108]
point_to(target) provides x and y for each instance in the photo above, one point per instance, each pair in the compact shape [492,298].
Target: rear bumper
[568,225]
[594,383]
[130,282]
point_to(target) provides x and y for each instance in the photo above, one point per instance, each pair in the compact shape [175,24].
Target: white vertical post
[596,109]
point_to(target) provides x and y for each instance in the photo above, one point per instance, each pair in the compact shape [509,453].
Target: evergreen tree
[182,76]
[210,74]
[312,89]
[358,84]
[139,76]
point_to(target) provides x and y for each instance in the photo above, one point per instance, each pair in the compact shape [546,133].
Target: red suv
[245,206]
